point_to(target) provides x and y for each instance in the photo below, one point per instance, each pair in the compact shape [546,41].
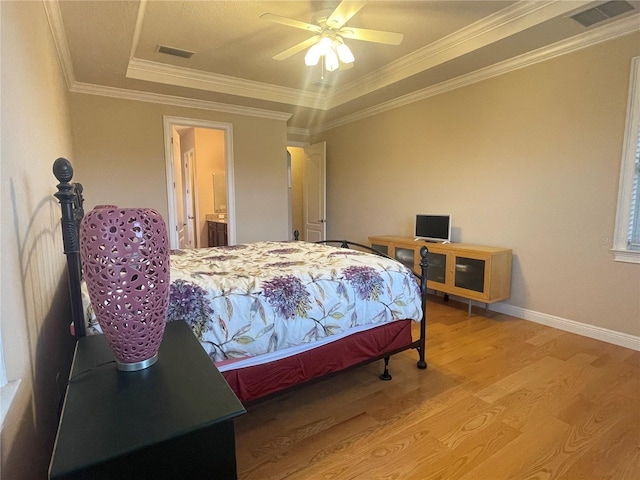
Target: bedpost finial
[63,170]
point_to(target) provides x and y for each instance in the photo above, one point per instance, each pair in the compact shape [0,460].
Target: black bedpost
[78,206]
[67,197]
[386,376]
[424,251]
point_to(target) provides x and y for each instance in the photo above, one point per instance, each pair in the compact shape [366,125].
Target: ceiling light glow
[344,53]
[332,49]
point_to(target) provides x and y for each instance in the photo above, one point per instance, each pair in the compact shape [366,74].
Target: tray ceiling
[112,48]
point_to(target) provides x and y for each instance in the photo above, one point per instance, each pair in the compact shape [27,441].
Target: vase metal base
[135,366]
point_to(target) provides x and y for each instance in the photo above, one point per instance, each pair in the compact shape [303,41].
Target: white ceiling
[110,48]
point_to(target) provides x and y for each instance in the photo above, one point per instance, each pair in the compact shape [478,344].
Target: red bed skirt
[254,382]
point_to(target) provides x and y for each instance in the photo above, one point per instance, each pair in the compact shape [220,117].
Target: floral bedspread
[251,299]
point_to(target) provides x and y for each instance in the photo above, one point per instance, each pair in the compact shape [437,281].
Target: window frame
[621,249]
[8,389]
[3,372]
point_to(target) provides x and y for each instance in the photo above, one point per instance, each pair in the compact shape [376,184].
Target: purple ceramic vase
[125,259]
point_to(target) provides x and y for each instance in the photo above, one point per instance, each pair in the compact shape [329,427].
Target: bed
[275,315]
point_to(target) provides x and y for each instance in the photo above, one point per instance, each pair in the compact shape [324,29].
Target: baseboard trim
[598,333]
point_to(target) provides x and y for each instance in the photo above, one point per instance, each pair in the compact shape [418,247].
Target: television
[433,228]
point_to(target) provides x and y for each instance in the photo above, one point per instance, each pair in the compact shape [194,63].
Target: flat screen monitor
[433,228]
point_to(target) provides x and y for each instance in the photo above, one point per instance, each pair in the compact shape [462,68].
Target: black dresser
[171,420]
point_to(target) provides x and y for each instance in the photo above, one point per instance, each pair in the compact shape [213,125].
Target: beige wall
[528,160]
[35,303]
[119,151]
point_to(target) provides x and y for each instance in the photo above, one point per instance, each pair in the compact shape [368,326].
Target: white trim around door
[170,122]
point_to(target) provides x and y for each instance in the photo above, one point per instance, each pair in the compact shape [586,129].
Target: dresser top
[411,242]
[108,413]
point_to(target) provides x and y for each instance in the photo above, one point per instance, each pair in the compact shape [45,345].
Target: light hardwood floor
[503,398]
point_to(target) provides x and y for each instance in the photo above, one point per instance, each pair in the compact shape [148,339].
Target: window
[8,389]
[634,221]
[626,239]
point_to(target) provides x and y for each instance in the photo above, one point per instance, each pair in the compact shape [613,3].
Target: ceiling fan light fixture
[331,61]
[344,53]
[313,56]
[325,45]
[334,51]
[330,28]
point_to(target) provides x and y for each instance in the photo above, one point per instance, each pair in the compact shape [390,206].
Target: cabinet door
[436,270]
[211,228]
[471,275]
[406,256]
[380,248]
[222,235]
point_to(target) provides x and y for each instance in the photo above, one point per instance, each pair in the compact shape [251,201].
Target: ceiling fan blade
[297,48]
[344,12]
[345,66]
[378,36]
[291,22]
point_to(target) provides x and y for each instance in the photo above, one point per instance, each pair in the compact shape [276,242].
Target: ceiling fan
[330,30]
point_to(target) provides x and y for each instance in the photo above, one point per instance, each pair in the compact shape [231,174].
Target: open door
[177,186]
[188,192]
[315,192]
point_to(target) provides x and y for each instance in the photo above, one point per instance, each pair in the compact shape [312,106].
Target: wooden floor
[503,398]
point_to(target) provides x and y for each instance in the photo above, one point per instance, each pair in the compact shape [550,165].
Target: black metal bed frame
[419,344]
[70,197]
[71,203]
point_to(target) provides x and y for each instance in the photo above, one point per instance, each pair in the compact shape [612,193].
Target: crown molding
[136,95]
[501,24]
[54,17]
[608,32]
[180,76]
[302,137]
[390,73]
[190,78]
[137,31]
[298,131]
[491,29]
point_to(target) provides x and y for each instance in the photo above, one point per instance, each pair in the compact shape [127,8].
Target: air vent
[176,52]
[324,83]
[602,12]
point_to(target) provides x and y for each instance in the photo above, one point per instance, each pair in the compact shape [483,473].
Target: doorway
[187,228]
[306,167]
[205,149]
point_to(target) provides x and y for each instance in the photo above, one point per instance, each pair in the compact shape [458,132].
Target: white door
[188,199]
[181,224]
[315,193]
[289,196]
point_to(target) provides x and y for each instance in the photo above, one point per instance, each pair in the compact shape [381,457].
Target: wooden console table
[474,272]
[171,420]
